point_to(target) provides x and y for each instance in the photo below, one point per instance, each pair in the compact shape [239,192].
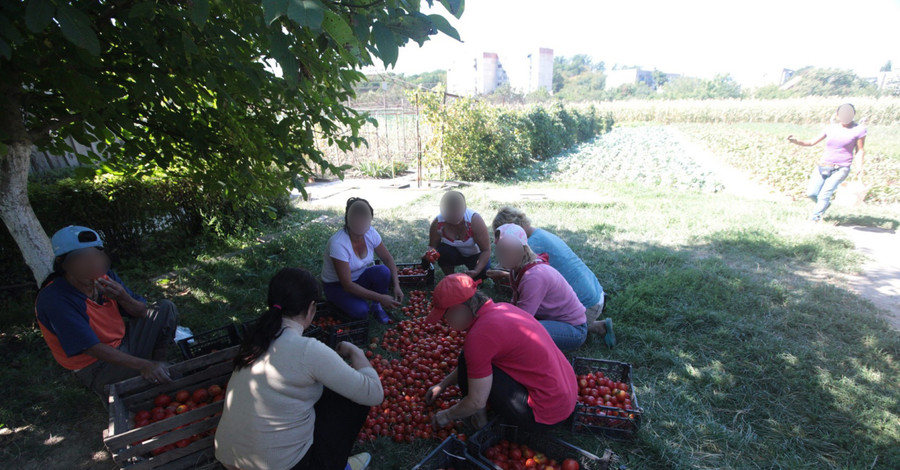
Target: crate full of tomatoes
[450,455]
[415,274]
[501,446]
[606,400]
[169,426]
[330,326]
[210,341]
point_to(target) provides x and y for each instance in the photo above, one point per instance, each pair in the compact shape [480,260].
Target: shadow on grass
[884,223]
[738,362]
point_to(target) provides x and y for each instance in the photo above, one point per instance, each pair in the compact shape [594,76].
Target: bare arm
[482,239]
[115,291]
[155,372]
[434,237]
[479,391]
[861,154]
[343,272]
[385,256]
[805,143]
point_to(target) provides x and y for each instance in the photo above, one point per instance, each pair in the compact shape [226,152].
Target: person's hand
[432,393]
[472,273]
[388,302]
[497,274]
[791,139]
[156,372]
[111,289]
[398,293]
[431,255]
[347,350]
[440,419]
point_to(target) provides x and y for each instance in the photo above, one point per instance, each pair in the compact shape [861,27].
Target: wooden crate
[132,448]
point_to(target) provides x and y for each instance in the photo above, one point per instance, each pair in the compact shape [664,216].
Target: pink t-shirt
[505,336]
[545,293]
[840,142]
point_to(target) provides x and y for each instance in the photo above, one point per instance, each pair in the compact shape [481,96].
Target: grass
[741,359]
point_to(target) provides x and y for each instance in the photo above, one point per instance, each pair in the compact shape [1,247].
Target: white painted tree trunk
[15,210]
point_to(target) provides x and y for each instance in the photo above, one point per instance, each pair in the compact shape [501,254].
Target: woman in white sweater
[292,402]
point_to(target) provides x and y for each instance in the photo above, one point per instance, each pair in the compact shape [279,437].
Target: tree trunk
[15,210]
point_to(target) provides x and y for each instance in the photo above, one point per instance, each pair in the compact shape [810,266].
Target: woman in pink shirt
[540,289]
[508,360]
[842,141]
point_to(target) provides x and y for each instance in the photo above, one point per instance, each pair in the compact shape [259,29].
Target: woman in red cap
[521,372]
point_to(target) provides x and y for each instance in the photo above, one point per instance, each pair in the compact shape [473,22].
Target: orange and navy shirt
[72,322]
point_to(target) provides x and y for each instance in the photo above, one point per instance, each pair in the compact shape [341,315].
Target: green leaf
[76,27]
[274,9]
[38,14]
[441,24]
[386,43]
[306,13]
[5,50]
[455,7]
[339,30]
[200,12]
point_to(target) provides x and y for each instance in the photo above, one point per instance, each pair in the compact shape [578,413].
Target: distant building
[485,73]
[633,76]
[889,81]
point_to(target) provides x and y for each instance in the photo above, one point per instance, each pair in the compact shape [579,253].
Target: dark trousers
[508,398]
[146,338]
[451,258]
[338,422]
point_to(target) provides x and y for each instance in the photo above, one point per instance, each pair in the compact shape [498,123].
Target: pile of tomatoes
[594,389]
[168,406]
[412,272]
[512,456]
[427,354]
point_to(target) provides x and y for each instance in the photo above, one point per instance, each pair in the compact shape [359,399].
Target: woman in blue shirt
[583,281]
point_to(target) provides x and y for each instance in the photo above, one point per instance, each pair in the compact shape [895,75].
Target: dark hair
[347,211]
[57,272]
[847,104]
[291,291]
[477,301]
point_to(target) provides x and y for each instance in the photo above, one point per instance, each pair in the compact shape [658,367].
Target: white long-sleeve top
[268,419]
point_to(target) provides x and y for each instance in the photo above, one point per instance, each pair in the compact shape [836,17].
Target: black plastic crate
[552,447]
[356,332]
[587,418]
[451,454]
[210,341]
[426,279]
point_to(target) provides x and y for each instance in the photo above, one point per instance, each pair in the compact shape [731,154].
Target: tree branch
[54,125]
[350,5]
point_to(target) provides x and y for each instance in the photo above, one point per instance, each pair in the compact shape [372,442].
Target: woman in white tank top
[461,237]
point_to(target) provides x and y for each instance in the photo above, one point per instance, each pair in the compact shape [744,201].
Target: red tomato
[200,395]
[570,464]
[214,390]
[162,400]
[182,396]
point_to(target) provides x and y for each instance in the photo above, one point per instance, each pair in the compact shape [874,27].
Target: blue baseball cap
[74,237]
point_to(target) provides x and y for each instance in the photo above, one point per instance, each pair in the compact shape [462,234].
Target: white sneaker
[359,461]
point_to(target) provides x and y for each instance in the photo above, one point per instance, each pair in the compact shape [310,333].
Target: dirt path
[879,280]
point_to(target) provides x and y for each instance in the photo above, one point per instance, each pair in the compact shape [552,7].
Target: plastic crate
[314,331]
[356,332]
[596,418]
[210,341]
[426,279]
[552,447]
[451,454]
[133,448]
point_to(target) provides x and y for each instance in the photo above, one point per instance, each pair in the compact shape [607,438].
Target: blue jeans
[823,181]
[566,336]
[375,278]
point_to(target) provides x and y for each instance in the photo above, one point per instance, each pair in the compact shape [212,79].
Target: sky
[698,38]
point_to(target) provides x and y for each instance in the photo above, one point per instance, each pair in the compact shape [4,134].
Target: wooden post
[418,145]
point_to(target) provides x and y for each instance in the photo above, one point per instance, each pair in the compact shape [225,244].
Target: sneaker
[609,338]
[380,314]
[359,461]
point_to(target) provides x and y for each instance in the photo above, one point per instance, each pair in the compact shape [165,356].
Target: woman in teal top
[583,281]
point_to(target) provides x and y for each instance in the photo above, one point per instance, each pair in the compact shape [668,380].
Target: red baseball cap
[452,290]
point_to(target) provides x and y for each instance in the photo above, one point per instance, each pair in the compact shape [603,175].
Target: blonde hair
[510,215]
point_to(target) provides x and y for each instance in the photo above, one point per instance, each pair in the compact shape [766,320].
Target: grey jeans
[143,337]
